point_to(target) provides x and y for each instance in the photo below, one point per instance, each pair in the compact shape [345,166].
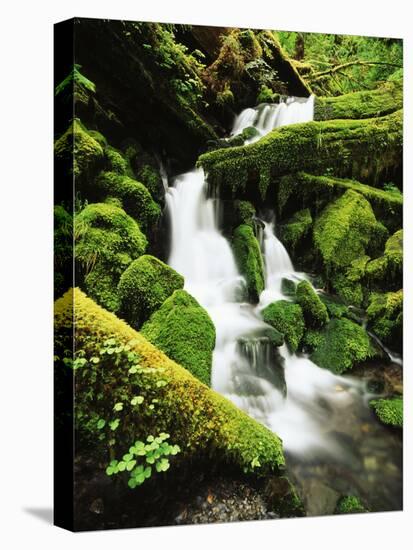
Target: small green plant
[143,457]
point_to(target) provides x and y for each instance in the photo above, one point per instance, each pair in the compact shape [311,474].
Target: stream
[333,443]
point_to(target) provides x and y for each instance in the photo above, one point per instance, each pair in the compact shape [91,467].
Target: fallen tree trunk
[357,105]
[360,149]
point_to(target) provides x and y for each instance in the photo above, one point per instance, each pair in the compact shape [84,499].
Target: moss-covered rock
[136,199]
[361,149]
[341,346]
[249,259]
[287,318]
[295,229]
[389,411]
[117,162]
[184,331]
[106,242]
[364,104]
[288,287]
[385,317]
[335,306]
[63,250]
[198,419]
[345,229]
[244,213]
[387,270]
[315,312]
[144,287]
[78,149]
[350,504]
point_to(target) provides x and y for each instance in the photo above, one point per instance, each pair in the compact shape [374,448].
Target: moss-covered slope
[184,331]
[198,419]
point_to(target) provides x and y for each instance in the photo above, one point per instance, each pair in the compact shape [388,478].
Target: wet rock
[321,499]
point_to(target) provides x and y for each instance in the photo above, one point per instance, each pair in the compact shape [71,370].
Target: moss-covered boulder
[315,312]
[288,287]
[385,317]
[365,104]
[202,422]
[345,229]
[144,287]
[387,270]
[389,411]
[296,228]
[340,346]
[287,318]
[249,260]
[107,240]
[136,199]
[361,149]
[117,162]
[63,250]
[350,504]
[78,150]
[184,331]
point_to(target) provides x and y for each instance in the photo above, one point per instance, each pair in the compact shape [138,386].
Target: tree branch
[338,68]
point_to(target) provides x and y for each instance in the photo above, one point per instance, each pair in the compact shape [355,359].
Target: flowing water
[333,443]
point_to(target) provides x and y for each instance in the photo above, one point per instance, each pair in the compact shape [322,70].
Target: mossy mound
[63,250]
[184,331]
[315,312]
[387,270]
[117,162]
[198,419]
[288,287]
[362,149]
[106,242]
[340,346]
[77,148]
[145,168]
[345,229]
[249,259]
[350,504]
[287,318]
[295,229]
[385,317]
[389,411]
[136,199]
[335,307]
[364,104]
[144,287]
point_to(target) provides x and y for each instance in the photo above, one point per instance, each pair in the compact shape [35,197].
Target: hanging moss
[106,242]
[77,148]
[385,317]
[389,411]
[362,149]
[350,505]
[200,420]
[365,104]
[184,331]
[344,230]
[287,318]
[135,198]
[295,229]
[315,312]
[341,346]
[144,286]
[249,259]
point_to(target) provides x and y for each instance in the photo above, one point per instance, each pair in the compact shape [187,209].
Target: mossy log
[361,149]
[365,104]
[200,420]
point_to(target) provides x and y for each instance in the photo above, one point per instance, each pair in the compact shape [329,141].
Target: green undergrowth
[197,419]
[184,331]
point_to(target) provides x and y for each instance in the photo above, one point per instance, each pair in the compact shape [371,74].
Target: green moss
[389,411]
[99,137]
[364,104]
[358,148]
[387,270]
[201,421]
[293,231]
[184,331]
[287,318]
[151,179]
[106,242]
[117,162]
[63,250]
[144,286]
[335,307]
[244,212]
[79,149]
[350,505]
[288,287]
[385,317]
[136,199]
[315,312]
[341,346]
[249,259]
[345,229]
